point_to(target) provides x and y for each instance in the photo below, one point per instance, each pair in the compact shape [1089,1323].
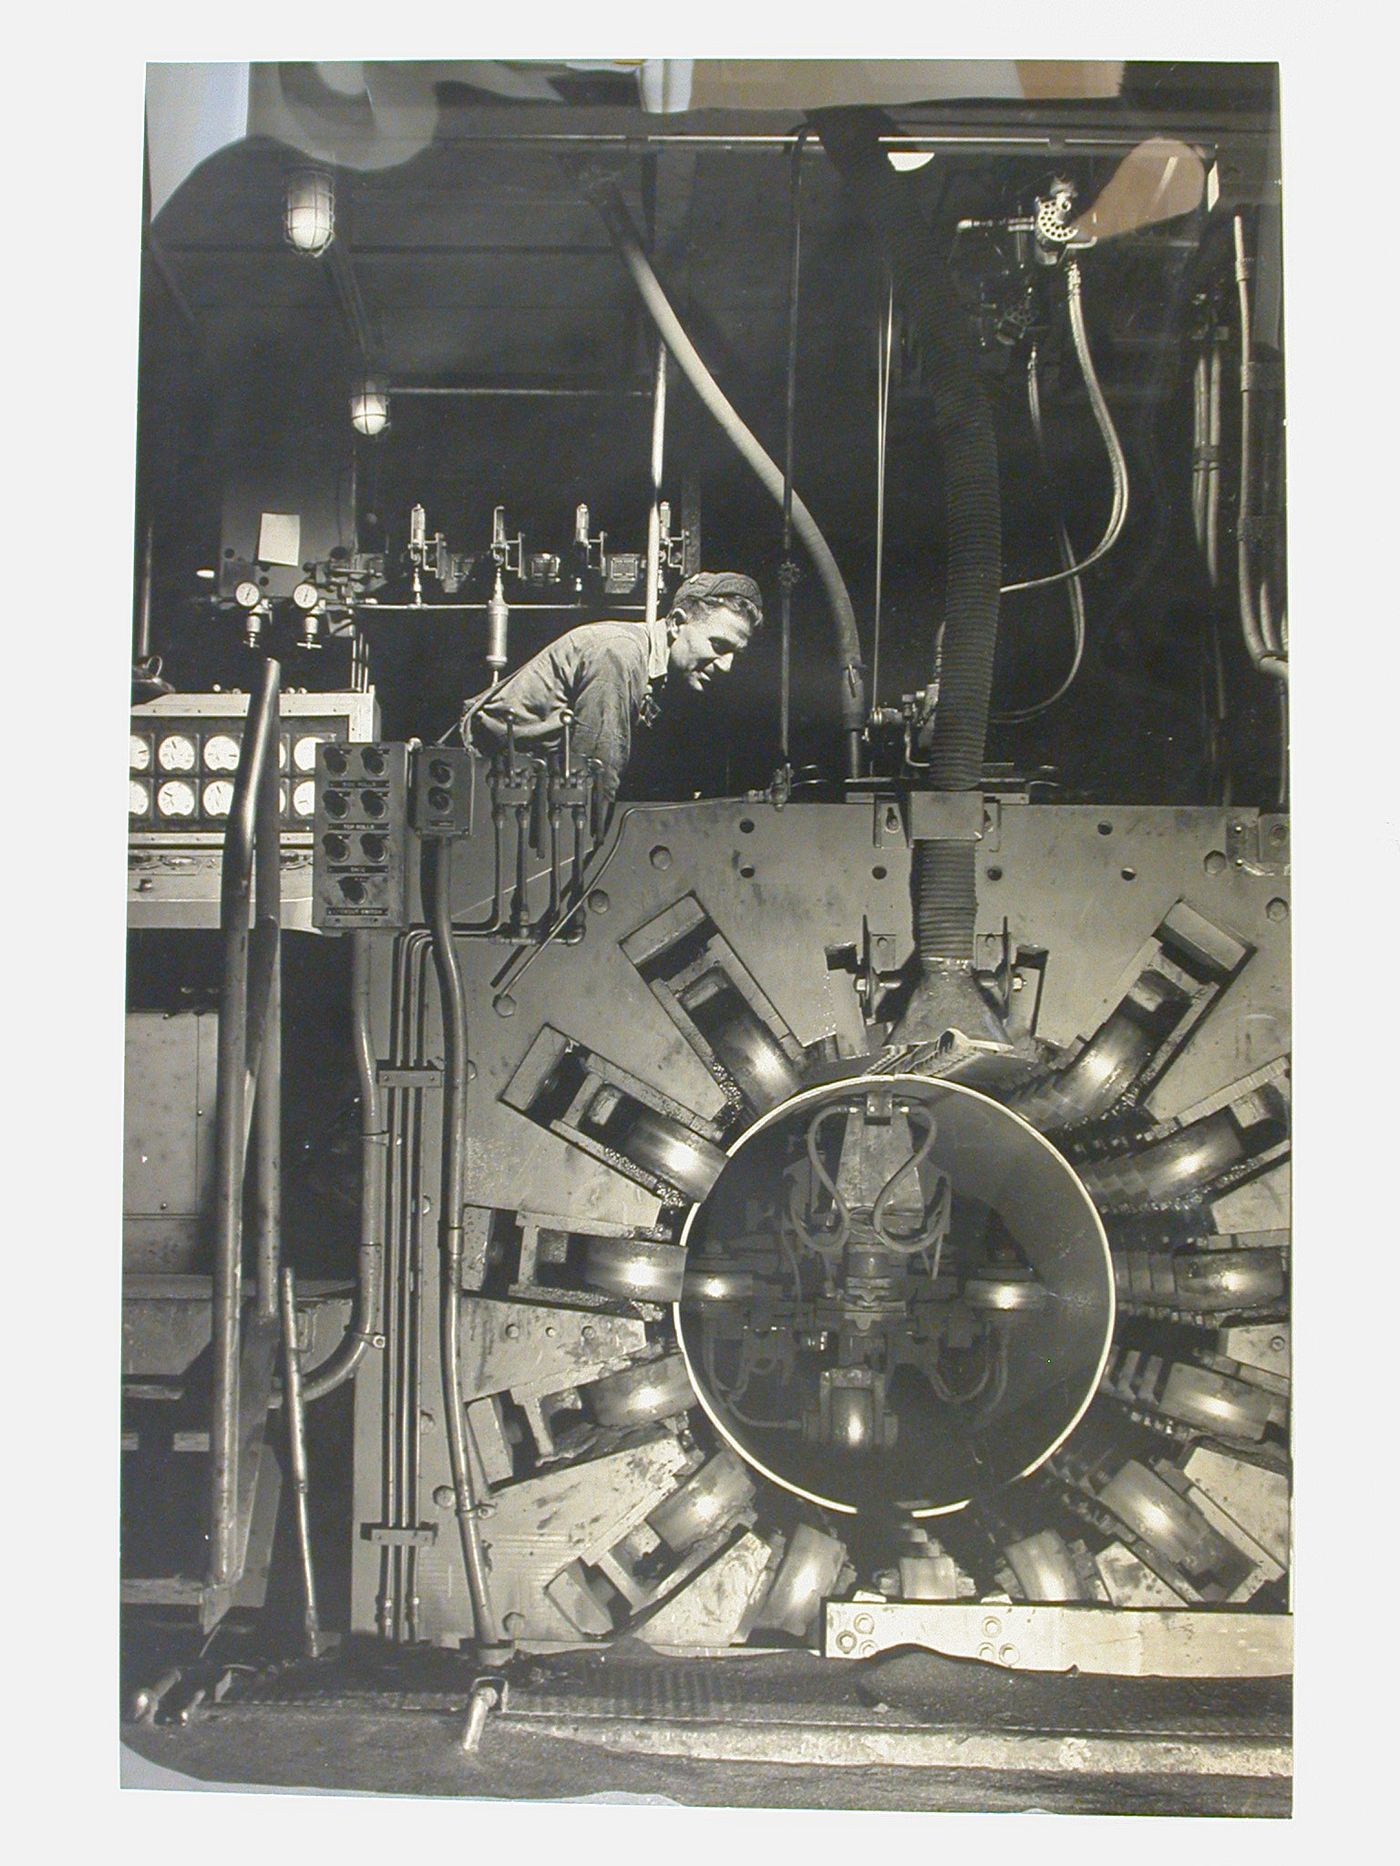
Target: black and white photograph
[706,1130]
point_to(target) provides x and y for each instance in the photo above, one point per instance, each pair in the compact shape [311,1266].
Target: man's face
[706,646]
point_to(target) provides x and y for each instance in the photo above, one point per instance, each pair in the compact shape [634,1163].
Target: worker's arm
[606,693]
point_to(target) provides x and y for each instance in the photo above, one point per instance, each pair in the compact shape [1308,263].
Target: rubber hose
[610,205]
[945,896]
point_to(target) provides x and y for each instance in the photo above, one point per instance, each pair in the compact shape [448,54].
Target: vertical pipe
[143,610]
[790,437]
[296,1443]
[1212,471]
[658,461]
[438,893]
[230,1145]
[267,1106]
[364,1332]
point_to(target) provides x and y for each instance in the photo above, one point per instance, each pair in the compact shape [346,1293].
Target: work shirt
[602,672]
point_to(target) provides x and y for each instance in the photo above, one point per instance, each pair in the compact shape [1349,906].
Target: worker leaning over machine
[605,674]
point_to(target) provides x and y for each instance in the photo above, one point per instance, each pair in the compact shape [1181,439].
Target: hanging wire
[1074,588]
[884,360]
[1118,465]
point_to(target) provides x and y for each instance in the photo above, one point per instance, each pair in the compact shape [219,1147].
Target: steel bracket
[1259,845]
[388,1535]
[947,816]
[401,1076]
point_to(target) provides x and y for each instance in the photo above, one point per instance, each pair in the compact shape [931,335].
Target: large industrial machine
[843,1211]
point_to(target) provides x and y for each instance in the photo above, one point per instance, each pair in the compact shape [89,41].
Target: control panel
[184,756]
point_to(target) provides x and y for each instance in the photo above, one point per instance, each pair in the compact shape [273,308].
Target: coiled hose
[945,894]
[605,196]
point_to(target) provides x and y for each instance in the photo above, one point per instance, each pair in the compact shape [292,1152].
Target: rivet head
[991,1627]
[1215,863]
[661,856]
[846,1642]
[600,900]
[1008,1655]
[864,1623]
[1277,909]
[987,1652]
[512,1331]
[504,1005]
[443,1497]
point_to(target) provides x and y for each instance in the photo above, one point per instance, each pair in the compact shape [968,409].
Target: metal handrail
[249,1075]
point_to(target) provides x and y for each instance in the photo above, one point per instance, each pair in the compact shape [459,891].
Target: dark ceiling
[478,265]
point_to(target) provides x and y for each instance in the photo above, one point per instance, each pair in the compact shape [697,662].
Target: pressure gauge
[140,752]
[247,595]
[304,751]
[304,798]
[218,797]
[221,752]
[306,596]
[176,798]
[138,799]
[176,753]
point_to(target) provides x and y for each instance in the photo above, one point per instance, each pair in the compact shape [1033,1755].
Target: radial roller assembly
[813,1322]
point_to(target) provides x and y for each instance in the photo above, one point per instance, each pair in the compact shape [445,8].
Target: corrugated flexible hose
[945,896]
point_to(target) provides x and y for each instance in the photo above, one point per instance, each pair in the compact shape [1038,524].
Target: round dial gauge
[247,595]
[282,798]
[176,798]
[306,596]
[304,752]
[221,752]
[304,798]
[176,753]
[140,753]
[218,797]
[281,754]
[138,800]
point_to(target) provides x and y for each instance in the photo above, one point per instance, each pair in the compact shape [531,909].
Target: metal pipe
[1212,469]
[266,1069]
[548,391]
[364,1332]
[143,611]
[658,462]
[296,1444]
[790,438]
[235,895]
[606,197]
[437,891]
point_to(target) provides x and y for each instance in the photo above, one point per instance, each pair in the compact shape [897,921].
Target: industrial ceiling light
[906,160]
[309,217]
[369,403]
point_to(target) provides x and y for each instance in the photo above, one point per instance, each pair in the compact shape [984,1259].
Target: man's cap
[716,584]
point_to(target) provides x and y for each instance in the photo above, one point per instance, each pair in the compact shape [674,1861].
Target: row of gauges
[160,792]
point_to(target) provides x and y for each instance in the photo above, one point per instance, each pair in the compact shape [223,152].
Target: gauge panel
[176,798]
[204,752]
